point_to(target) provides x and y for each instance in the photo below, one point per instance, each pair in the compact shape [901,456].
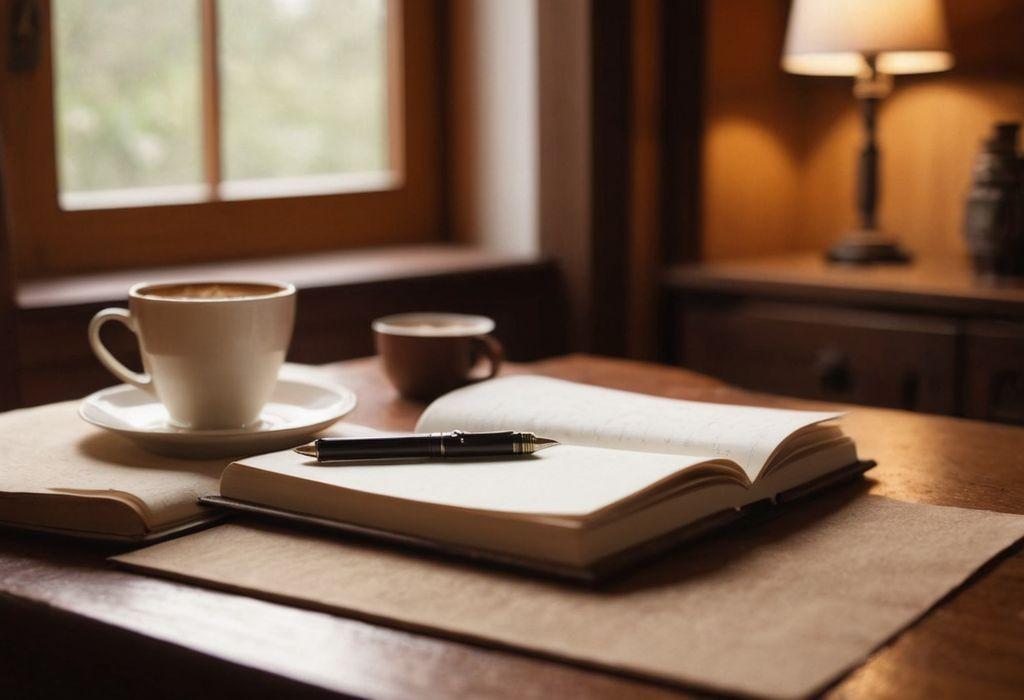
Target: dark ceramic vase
[994,222]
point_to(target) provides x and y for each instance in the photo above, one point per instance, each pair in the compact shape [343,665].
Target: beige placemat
[780,608]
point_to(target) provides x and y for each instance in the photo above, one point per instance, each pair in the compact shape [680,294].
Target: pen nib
[540,443]
[308,450]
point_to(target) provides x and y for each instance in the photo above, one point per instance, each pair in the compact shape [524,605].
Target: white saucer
[302,405]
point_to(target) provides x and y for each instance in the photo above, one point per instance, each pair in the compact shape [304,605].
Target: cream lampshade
[832,37]
[869,40]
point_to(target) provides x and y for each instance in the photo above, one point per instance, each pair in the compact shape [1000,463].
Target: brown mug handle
[489,347]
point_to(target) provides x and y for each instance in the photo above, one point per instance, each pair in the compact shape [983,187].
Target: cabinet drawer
[879,359]
[994,371]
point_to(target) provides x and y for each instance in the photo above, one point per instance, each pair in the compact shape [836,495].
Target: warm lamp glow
[833,37]
[870,40]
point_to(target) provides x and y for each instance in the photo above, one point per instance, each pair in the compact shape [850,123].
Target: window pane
[127,76]
[303,90]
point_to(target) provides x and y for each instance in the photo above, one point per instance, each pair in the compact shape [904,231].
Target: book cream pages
[61,474]
[630,467]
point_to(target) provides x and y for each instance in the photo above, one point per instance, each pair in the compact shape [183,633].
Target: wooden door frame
[647,60]
[9,394]
[684,45]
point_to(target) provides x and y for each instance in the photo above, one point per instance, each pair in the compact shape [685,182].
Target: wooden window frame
[48,240]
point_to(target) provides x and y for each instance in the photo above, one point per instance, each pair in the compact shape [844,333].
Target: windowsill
[229,190]
[308,271]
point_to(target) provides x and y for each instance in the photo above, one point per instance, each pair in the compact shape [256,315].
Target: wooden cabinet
[879,359]
[994,365]
[928,337]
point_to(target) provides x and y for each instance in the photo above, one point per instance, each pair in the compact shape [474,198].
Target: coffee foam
[437,327]
[434,325]
[199,291]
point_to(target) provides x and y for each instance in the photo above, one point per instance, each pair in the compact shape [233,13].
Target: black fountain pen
[427,445]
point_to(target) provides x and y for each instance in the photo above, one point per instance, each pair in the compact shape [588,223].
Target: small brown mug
[427,354]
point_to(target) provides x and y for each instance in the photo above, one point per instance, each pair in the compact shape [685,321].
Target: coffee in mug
[211,351]
[427,354]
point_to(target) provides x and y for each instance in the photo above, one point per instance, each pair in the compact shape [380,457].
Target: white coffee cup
[211,350]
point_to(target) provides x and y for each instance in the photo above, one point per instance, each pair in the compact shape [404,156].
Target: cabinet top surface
[934,283]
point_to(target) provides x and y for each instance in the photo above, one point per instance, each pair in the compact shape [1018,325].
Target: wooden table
[69,621]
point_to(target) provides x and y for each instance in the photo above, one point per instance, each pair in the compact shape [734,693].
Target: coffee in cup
[211,351]
[427,354]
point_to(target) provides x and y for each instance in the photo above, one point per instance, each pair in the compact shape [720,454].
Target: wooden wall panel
[752,132]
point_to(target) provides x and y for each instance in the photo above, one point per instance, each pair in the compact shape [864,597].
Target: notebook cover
[597,572]
[150,537]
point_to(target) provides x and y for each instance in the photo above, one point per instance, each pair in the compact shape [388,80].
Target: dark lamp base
[867,248]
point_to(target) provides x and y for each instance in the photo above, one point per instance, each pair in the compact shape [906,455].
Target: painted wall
[494,124]
[521,136]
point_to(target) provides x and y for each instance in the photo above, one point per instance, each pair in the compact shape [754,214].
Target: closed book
[60,474]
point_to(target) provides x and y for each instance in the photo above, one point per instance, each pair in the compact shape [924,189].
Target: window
[161,101]
[162,131]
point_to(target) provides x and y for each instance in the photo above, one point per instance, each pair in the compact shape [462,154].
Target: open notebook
[60,474]
[632,470]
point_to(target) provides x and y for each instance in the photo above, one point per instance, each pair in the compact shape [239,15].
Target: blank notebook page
[581,414]
[563,480]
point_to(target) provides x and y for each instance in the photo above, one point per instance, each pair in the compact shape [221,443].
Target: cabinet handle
[1006,397]
[911,390]
[832,368]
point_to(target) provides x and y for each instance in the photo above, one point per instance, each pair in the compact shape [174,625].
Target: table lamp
[870,40]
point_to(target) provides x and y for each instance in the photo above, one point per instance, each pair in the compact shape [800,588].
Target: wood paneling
[752,132]
[781,150]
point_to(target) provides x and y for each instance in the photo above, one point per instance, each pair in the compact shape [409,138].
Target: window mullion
[211,98]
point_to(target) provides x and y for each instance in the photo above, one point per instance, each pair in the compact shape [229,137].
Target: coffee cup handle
[139,380]
[489,347]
